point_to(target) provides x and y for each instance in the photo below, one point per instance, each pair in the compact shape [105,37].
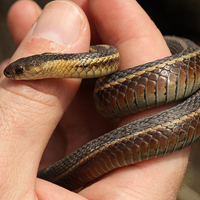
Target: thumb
[30,110]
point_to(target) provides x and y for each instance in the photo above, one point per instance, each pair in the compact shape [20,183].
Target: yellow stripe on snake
[121,93]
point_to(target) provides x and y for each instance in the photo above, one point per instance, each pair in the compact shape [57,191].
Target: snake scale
[121,93]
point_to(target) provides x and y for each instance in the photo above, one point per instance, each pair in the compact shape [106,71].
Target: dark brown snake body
[156,83]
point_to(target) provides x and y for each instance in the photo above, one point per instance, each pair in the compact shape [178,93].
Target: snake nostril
[6,73]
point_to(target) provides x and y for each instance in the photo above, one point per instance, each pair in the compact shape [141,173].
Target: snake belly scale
[121,93]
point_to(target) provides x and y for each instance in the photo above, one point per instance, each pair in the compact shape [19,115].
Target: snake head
[24,68]
[13,70]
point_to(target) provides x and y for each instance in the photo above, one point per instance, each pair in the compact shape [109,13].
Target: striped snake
[162,81]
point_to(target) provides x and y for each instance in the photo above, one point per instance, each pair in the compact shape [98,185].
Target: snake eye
[19,69]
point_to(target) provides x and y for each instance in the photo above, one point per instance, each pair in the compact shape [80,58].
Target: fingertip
[21,17]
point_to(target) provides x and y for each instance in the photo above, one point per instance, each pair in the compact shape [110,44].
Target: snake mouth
[10,75]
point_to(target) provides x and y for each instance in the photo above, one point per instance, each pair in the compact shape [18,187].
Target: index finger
[126,26]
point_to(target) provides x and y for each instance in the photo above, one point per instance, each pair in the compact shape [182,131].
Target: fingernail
[61,22]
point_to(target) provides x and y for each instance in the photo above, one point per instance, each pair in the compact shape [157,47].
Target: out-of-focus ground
[173,17]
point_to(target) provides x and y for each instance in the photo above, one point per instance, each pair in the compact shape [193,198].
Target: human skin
[30,111]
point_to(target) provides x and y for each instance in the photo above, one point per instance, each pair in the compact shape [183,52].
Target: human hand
[30,110]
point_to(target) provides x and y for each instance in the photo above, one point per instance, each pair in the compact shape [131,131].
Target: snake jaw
[24,68]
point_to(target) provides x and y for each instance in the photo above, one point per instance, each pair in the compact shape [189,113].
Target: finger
[30,110]
[126,26]
[20,20]
[95,39]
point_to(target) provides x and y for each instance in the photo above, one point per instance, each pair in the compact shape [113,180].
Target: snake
[176,77]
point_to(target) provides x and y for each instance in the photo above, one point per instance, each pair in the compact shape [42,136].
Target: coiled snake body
[156,83]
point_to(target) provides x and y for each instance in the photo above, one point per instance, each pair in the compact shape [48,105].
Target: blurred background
[173,17]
